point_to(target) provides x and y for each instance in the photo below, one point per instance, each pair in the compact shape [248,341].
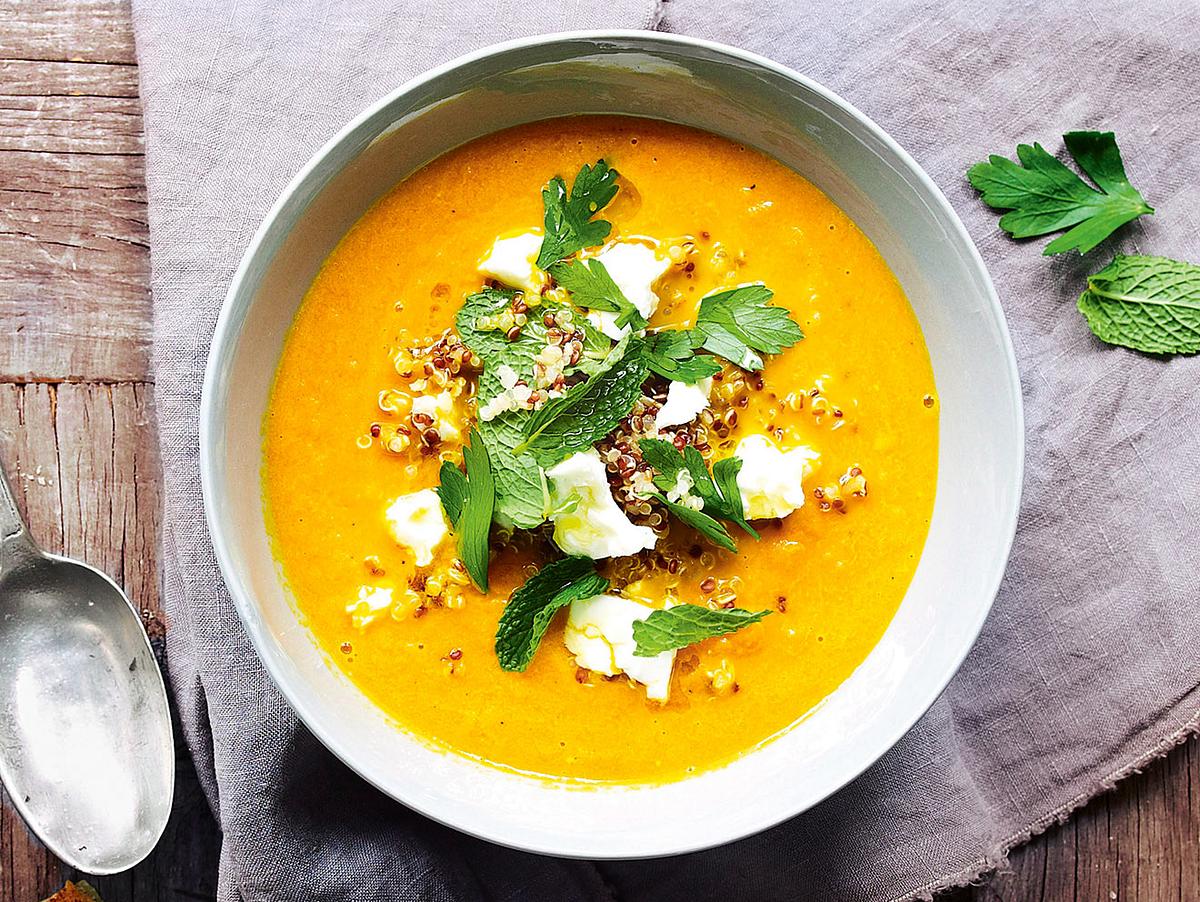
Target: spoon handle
[12,527]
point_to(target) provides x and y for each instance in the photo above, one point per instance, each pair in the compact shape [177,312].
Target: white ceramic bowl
[750,100]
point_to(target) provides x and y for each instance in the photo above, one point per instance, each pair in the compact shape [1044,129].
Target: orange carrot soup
[601,449]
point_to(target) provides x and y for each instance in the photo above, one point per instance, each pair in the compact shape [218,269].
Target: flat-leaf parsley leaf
[569,224]
[591,286]
[741,323]
[1042,195]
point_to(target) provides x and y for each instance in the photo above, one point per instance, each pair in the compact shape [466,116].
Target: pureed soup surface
[858,391]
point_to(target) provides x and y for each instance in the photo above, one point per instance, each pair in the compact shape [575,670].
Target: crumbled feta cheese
[684,403]
[513,262]
[594,526]
[440,410]
[417,522]
[771,481]
[634,267]
[371,602]
[599,634]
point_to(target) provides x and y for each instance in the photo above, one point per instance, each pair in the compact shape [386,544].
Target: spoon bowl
[86,754]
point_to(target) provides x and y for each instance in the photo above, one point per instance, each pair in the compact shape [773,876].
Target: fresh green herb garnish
[1042,195]
[687,624]
[591,286]
[469,502]
[698,520]
[569,224]
[1151,304]
[719,491]
[452,492]
[670,354]
[589,410]
[520,497]
[528,613]
[739,324]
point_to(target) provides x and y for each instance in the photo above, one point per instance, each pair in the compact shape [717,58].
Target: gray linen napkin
[1087,665]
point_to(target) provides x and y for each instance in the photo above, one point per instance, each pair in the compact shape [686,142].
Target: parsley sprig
[568,217]
[1150,304]
[718,491]
[1042,195]
[739,324]
[687,624]
[591,286]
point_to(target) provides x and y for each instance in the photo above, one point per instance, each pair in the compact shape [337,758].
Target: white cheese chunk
[684,403]
[440,409]
[599,634]
[371,602]
[634,267]
[513,262]
[587,520]
[771,481]
[417,522]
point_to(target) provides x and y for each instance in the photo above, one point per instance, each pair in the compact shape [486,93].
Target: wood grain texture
[76,433]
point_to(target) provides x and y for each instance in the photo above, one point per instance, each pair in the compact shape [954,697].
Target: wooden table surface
[77,439]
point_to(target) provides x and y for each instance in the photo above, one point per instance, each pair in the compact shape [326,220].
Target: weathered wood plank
[55,124]
[90,30]
[84,469]
[74,268]
[35,78]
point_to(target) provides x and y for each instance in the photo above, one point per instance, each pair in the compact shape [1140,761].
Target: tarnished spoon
[86,751]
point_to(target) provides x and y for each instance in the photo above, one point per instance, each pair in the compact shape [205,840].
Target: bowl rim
[234,308]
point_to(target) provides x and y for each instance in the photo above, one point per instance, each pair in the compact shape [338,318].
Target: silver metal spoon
[86,751]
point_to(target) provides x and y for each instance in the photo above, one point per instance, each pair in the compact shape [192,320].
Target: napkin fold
[1087,666]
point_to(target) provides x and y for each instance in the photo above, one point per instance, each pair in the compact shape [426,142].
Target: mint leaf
[475,521]
[670,354]
[1150,304]
[569,224]
[520,498]
[687,624]
[529,611]
[740,323]
[452,492]
[589,410]
[698,520]
[1044,196]
[591,286]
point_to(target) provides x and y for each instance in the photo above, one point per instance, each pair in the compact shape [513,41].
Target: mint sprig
[1150,304]
[687,624]
[568,217]
[1042,195]
[532,607]
[589,410]
[469,502]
